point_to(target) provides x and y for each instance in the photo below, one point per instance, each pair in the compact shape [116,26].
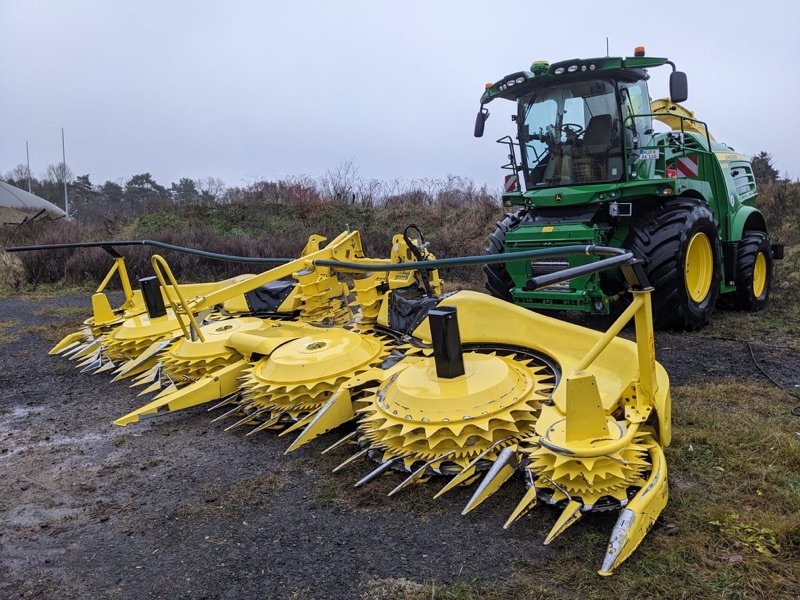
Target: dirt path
[175,507]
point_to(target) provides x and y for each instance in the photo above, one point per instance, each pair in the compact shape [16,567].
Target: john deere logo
[559,197]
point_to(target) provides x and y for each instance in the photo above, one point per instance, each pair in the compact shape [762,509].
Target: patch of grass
[63,369]
[47,291]
[6,335]
[54,332]
[232,500]
[62,311]
[734,525]
[394,587]
[779,324]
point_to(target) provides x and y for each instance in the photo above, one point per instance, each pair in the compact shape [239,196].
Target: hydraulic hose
[109,247]
[622,256]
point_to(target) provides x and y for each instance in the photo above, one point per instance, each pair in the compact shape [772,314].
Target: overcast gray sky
[240,90]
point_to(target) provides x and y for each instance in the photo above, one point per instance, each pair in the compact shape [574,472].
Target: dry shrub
[12,272]
[780,203]
[274,219]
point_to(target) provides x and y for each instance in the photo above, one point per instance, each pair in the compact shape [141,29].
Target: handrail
[158,264]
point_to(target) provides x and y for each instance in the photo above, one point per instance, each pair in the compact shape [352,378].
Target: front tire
[498,281]
[753,271]
[680,247]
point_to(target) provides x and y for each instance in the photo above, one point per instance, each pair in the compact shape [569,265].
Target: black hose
[483,259]
[796,410]
[108,246]
[439,263]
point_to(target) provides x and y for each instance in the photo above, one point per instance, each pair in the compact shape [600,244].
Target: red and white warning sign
[511,183]
[687,166]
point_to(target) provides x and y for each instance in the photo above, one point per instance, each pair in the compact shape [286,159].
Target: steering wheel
[573,128]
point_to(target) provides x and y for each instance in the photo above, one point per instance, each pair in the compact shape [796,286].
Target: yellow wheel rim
[699,267]
[759,275]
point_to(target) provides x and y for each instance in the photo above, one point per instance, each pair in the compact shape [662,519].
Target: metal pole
[28,157]
[64,173]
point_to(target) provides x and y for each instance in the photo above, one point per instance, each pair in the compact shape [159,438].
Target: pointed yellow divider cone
[572,512]
[468,473]
[90,360]
[67,342]
[501,470]
[143,362]
[337,411]
[170,389]
[299,424]
[88,349]
[106,367]
[527,504]
[148,377]
[638,516]
[153,387]
[206,389]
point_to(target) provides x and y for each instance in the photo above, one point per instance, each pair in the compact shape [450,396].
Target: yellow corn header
[450,389]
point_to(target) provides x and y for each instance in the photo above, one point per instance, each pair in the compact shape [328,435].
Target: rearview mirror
[678,87]
[480,121]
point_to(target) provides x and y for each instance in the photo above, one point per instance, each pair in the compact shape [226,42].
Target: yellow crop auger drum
[457,388]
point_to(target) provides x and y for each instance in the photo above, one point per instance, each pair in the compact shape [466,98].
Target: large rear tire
[753,271]
[498,281]
[680,247]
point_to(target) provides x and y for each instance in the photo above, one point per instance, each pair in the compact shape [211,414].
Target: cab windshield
[570,134]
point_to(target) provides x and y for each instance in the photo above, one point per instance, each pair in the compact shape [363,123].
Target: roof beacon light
[540,67]
[638,51]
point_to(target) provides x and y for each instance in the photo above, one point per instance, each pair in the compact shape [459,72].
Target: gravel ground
[175,507]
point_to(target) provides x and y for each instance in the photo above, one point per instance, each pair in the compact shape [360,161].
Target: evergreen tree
[763,169]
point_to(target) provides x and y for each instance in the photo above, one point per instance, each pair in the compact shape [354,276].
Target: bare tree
[59,173]
[212,188]
[341,183]
[18,174]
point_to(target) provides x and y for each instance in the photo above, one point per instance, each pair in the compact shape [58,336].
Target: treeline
[141,193]
[264,219]
[275,218]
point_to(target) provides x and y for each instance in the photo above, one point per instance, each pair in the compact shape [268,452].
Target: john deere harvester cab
[596,162]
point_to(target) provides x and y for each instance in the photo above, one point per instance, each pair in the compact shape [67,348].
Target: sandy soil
[175,507]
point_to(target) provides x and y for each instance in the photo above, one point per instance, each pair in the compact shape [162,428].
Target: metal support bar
[565,275]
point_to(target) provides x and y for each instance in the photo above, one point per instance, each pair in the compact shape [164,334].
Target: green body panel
[723,180]
[582,293]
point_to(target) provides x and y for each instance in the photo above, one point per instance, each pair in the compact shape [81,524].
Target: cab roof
[543,74]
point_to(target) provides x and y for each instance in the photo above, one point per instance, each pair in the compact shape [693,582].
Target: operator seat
[597,138]
[597,142]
